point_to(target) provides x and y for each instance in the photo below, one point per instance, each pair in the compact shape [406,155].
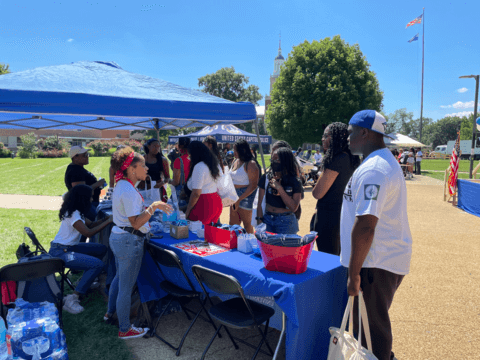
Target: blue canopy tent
[224,134]
[101,95]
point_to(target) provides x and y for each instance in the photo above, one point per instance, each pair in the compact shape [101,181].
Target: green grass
[439,164]
[267,160]
[87,335]
[440,175]
[43,176]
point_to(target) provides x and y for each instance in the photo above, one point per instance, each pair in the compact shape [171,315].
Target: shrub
[1,145]
[5,153]
[53,143]
[102,147]
[52,153]
[24,154]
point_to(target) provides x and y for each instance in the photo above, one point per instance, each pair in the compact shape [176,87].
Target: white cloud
[460,114]
[460,105]
[462,90]
[69,40]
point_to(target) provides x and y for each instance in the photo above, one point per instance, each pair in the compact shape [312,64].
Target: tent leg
[260,145]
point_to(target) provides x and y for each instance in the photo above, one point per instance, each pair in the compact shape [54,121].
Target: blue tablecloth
[469,196]
[312,301]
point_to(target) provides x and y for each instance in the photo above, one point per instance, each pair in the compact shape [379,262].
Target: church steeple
[279,60]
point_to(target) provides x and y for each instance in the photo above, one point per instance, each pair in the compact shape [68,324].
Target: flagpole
[423,63]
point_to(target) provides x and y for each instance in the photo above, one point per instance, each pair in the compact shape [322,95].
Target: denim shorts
[283,223]
[247,203]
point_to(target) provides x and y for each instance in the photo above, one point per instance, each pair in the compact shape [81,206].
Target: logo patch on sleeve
[371,191]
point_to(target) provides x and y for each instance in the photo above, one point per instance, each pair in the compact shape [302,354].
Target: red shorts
[207,209]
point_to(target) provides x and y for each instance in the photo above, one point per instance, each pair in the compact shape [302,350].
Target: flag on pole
[454,161]
[417,20]
[415,38]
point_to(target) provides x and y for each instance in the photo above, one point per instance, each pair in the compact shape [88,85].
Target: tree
[320,83]
[400,121]
[466,128]
[441,131]
[230,85]
[28,148]
[4,69]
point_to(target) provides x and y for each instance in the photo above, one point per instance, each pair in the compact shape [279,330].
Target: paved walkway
[31,202]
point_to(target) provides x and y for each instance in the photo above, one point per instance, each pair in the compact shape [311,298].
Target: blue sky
[180,41]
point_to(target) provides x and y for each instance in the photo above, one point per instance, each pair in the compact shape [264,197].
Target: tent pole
[260,145]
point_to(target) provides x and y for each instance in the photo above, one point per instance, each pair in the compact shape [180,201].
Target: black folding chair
[169,259]
[40,249]
[35,269]
[237,313]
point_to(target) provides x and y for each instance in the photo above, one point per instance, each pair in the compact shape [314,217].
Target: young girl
[85,257]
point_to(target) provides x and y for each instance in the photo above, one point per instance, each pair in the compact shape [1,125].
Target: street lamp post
[474,132]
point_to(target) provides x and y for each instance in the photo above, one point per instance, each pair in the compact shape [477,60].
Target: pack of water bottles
[34,333]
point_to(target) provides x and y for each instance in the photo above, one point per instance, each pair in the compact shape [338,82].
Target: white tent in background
[400,140]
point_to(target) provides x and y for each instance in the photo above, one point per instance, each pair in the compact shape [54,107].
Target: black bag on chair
[23,251]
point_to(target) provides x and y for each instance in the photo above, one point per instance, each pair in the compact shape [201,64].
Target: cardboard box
[179,232]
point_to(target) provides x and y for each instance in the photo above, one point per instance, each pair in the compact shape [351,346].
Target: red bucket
[222,237]
[289,260]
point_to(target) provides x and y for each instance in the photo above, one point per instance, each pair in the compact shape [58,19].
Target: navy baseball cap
[371,120]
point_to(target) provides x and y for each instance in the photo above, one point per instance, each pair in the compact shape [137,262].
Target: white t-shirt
[419,155]
[317,157]
[378,188]
[202,179]
[126,202]
[67,234]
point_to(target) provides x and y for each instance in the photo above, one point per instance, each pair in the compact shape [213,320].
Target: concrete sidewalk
[31,202]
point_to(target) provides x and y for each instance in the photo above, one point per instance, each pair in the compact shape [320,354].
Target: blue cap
[371,120]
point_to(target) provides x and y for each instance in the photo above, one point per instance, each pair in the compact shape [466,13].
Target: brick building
[11,138]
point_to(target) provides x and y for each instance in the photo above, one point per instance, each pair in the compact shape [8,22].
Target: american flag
[454,161]
[417,20]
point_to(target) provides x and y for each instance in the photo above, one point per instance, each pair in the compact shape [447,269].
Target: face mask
[276,166]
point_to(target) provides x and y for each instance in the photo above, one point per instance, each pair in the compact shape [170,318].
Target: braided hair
[338,144]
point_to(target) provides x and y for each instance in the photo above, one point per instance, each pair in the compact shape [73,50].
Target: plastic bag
[150,195]
[226,190]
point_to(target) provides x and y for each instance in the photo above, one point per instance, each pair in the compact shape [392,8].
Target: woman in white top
[127,238]
[245,174]
[85,257]
[205,204]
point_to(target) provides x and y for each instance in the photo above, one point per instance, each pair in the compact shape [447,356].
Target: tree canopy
[4,69]
[230,85]
[321,82]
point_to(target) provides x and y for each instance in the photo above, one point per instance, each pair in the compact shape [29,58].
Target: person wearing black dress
[337,167]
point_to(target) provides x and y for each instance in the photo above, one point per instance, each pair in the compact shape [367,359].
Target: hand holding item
[236,205]
[275,185]
[353,285]
[158,185]
[163,206]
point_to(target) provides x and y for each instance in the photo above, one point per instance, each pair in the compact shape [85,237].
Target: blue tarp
[101,95]
[223,134]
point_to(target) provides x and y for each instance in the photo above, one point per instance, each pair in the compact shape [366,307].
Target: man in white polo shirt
[376,243]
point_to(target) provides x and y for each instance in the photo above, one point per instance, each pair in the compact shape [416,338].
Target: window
[119,136]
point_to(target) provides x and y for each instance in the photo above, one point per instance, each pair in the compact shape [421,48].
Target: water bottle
[3,340]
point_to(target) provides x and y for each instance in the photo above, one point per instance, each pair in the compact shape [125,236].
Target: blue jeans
[128,251]
[284,223]
[247,203]
[87,257]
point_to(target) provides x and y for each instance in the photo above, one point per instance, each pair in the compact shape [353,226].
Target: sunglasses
[84,154]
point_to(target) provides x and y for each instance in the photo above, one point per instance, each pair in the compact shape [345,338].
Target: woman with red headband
[127,239]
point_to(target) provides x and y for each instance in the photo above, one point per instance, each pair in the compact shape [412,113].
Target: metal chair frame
[235,289]
[40,249]
[168,258]
[32,270]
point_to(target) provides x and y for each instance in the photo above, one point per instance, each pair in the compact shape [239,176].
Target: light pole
[474,132]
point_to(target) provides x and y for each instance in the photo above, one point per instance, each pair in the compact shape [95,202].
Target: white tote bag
[343,345]
[255,204]
[226,189]
[150,195]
